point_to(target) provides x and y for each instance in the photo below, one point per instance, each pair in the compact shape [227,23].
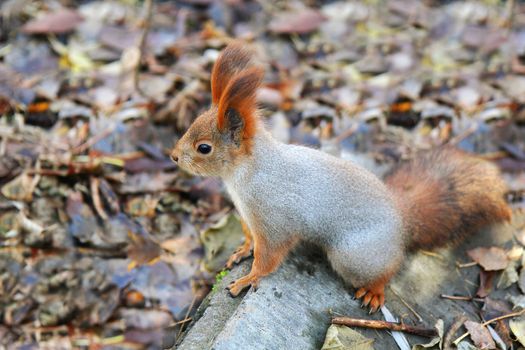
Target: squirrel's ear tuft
[232,60]
[237,107]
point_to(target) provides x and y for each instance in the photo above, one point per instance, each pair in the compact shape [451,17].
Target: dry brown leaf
[61,21]
[520,236]
[299,22]
[490,259]
[346,338]
[480,335]
[179,244]
[486,279]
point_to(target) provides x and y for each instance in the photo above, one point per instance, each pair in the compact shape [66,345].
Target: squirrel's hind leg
[373,295]
[369,281]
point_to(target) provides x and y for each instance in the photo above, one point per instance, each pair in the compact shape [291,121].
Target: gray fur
[286,191]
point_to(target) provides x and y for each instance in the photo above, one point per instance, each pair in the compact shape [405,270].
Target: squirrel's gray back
[286,188]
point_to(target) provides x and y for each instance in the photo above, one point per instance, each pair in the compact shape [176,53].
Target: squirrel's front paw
[373,297]
[236,287]
[242,252]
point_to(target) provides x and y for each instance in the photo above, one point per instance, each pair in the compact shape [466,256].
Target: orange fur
[240,95]
[373,294]
[446,195]
[266,258]
[232,60]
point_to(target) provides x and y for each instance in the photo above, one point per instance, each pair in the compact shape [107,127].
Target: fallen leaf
[20,188]
[145,319]
[220,241]
[518,301]
[480,335]
[180,244]
[61,21]
[520,236]
[298,22]
[146,182]
[145,164]
[345,338]
[142,206]
[465,345]
[486,279]
[496,308]
[515,254]
[118,37]
[490,259]
[517,326]
[509,276]
[434,341]
[143,248]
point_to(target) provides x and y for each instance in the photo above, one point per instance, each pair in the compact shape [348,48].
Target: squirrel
[287,193]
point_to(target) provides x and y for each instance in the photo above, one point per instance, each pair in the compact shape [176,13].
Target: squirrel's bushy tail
[445,195]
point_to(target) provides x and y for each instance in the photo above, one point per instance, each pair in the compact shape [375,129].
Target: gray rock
[293,306]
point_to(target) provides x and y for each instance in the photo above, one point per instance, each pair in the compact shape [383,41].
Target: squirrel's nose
[174,158]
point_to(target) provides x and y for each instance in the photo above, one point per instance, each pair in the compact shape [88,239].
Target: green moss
[218,279]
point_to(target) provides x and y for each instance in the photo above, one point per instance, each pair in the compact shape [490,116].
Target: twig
[94,184]
[420,319]
[186,320]
[460,297]
[470,264]
[148,6]
[433,254]
[376,324]
[185,317]
[513,314]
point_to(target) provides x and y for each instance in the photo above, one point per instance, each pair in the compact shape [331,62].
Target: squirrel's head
[221,136]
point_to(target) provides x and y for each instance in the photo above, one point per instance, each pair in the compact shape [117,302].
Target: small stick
[433,254]
[376,324]
[188,319]
[420,319]
[185,317]
[94,184]
[460,297]
[470,264]
[148,5]
[513,314]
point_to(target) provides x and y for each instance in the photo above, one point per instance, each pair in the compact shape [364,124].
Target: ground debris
[104,242]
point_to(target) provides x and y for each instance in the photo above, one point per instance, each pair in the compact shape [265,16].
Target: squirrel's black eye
[204,148]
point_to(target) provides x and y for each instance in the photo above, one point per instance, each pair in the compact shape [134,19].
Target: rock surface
[292,307]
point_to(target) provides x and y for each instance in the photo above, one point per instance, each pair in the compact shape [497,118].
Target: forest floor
[103,242]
